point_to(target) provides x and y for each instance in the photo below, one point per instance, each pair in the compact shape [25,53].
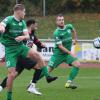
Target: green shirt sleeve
[24,26]
[70,26]
[57,38]
[6,21]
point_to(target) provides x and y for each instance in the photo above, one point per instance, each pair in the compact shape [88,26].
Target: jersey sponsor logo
[15,31]
[14,24]
[62,34]
[66,40]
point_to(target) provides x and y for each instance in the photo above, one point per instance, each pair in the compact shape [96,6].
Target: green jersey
[64,37]
[13,29]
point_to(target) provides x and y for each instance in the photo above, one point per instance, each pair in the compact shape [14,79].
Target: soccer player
[26,62]
[62,50]
[14,31]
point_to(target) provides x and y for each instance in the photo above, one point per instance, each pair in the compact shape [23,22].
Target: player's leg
[12,54]
[3,84]
[10,63]
[33,54]
[28,64]
[32,86]
[74,71]
[11,76]
[54,62]
[19,69]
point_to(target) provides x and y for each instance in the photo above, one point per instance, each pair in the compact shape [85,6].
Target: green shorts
[13,52]
[56,60]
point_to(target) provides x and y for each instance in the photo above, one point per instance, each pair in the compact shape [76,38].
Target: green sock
[44,72]
[9,95]
[73,73]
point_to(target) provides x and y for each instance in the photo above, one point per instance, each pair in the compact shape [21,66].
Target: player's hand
[73,54]
[20,38]
[2,28]
[43,46]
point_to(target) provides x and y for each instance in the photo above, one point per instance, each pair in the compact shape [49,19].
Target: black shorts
[24,63]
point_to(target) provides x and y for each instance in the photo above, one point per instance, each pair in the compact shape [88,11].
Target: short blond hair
[18,7]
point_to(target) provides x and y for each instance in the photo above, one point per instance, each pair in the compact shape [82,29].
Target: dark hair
[30,21]
[18,7]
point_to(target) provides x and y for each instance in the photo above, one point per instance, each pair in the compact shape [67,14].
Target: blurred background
[83,14]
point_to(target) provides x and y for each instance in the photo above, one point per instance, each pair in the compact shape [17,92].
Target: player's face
[34,26]
[60,21]
[21,13]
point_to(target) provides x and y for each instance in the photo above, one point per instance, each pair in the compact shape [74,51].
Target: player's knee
[76,63]
[12,75]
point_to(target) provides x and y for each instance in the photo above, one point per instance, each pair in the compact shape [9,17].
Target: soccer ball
[96,42]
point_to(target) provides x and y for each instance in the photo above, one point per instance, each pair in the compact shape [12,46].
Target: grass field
[88,81]
[87,25]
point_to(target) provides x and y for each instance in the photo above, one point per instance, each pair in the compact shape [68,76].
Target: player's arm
[25,31]
[38,43]
[70,26]
[61,47]
[75,36]
[25,35]
[3,24]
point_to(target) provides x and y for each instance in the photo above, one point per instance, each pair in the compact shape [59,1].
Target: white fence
[85,51]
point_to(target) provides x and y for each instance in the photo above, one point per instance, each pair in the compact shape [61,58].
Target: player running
[62,50]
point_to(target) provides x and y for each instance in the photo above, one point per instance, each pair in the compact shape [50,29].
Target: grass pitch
[88,81]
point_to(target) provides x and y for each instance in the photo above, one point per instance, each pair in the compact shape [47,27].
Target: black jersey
[33,39]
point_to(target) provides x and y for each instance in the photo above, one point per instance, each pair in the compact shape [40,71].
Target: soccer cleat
[51,78]
[1,88]
[70,85]
[32,89]
[29,84]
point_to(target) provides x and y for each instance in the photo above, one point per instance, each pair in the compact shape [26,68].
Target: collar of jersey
[62,28]
[16,19]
